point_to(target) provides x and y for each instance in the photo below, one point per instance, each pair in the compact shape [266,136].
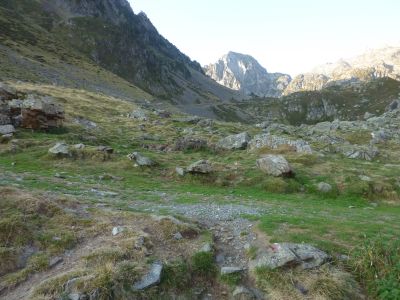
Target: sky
[288,36]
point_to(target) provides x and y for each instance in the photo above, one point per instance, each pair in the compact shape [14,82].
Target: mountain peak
[244,73]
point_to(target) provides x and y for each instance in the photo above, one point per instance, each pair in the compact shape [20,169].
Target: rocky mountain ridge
[373,64]
[243,73]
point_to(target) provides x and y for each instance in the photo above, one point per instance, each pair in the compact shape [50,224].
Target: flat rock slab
[288,255]
[152,278]
[230,270]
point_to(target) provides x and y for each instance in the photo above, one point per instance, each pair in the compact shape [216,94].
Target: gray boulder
[152,278]
[6,129]
[234,142]
[200,167]
[60,149]
[180,171]
[288,255]
[324,187]
[141,160]
[7,92]
[275,165]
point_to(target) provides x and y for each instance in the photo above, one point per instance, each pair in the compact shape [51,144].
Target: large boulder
[41,113]
[234,142]
[141,160]
[200,167]
[275,165]
[189,143]
[274,142]
[324,187]
[288,255]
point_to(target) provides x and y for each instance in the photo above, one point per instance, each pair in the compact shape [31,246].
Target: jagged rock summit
[244,73]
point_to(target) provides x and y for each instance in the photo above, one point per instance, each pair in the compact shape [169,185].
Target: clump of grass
[278,185]
[325,283]
[376,264]
[176,275]
[231,279]
[359,137]
[203,264]
[251,252]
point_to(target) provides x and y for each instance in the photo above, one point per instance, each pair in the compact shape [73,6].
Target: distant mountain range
[243,73]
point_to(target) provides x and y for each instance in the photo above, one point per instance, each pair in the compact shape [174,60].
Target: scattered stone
[138,114]
[395,104]
[6,129]
[55,261]
[150,279]
[189,120]
[60,149]
[7,92]
[117,230]
[242,293]
[104,193]
[365,178]
[6,138]
[163,114]
[180,171]
[324,187]
[359,152]
[230,270]
[207,247]
[234,142]
[275,165]
[178,236]
[5,119]
[141,160]
[200,167]
[368,115]
[205,123]
[87,124]
[74,296]
[105,149]
[79,146]
[189,143]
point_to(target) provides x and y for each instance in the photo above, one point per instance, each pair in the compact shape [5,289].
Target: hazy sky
[290,36]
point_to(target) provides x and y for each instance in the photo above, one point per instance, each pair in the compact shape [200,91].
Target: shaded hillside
[57,41]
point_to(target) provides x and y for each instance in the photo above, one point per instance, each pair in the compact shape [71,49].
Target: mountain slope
[105,35]
[243,73]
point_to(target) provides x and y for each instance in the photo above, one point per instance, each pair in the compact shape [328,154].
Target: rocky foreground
[107,199]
